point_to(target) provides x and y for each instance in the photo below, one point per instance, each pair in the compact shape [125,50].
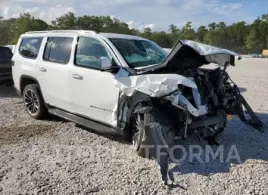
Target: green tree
[174,33]
[239,37]
[201,32]
[173,29]
[187,32]
[65,22]
[147,31]
[252,40]
[221,26]
[23,24]
[212,26]
[162,38]
[4,30]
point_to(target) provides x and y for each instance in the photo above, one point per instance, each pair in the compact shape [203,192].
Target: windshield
[139,53]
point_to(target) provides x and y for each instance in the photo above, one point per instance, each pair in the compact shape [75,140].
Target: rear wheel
[33,101]
[149,132]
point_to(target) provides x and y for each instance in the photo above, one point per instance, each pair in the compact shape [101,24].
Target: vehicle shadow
[112,137]
[238,145]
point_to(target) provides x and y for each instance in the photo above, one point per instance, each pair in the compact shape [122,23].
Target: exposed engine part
[213,120]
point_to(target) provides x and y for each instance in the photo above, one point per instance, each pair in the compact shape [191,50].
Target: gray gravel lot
[57,157]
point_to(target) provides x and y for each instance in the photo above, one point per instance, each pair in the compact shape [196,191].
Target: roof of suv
[80,32]
[122,36]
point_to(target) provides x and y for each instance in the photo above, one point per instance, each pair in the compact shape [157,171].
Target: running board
[82,121]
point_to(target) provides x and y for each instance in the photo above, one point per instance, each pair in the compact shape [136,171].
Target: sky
[139,14]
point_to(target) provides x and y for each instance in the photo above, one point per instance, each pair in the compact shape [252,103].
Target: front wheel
[150,132]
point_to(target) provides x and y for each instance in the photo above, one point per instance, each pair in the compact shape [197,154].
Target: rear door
[54,71]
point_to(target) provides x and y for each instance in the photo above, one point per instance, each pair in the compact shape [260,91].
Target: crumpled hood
[159,85]
[206,50]
[155,85]
[199,52]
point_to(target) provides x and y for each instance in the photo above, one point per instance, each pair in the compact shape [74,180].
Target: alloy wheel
[138,131]
[31,102]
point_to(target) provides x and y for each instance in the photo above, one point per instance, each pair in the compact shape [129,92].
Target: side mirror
[105,63]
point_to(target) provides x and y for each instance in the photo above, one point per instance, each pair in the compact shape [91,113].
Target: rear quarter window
[30,46]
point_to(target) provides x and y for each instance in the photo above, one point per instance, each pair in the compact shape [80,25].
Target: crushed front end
[202,109]
[181,97]
[206,109]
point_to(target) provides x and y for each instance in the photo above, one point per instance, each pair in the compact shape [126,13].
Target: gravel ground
[57,157]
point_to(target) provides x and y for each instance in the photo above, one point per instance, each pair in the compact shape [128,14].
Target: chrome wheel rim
[31,102]
[138,132]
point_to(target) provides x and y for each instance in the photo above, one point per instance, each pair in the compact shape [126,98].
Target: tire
[151,136]
[33,102]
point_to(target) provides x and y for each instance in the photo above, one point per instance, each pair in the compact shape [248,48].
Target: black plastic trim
[97,126]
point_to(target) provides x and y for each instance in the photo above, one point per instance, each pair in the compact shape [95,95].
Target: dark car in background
[5,64]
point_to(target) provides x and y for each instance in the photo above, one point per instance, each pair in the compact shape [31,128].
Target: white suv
[129,85]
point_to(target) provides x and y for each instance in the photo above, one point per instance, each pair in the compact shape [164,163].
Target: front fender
[154,85]
[127,105]
[136,89]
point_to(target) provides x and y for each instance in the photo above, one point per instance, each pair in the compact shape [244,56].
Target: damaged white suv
[129,85]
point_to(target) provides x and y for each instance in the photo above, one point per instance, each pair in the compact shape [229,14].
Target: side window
[29,47]
[58,49]
[89,51]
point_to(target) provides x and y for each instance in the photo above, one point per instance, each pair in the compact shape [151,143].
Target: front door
[93,92]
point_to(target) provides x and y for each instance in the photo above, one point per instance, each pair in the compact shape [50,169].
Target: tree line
[240,37]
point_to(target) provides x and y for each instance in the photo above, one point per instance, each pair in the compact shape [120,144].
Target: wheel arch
[139,103]
[129,105]
[27,80]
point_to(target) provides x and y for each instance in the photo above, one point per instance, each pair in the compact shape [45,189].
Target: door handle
[77,76]
[43,69]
